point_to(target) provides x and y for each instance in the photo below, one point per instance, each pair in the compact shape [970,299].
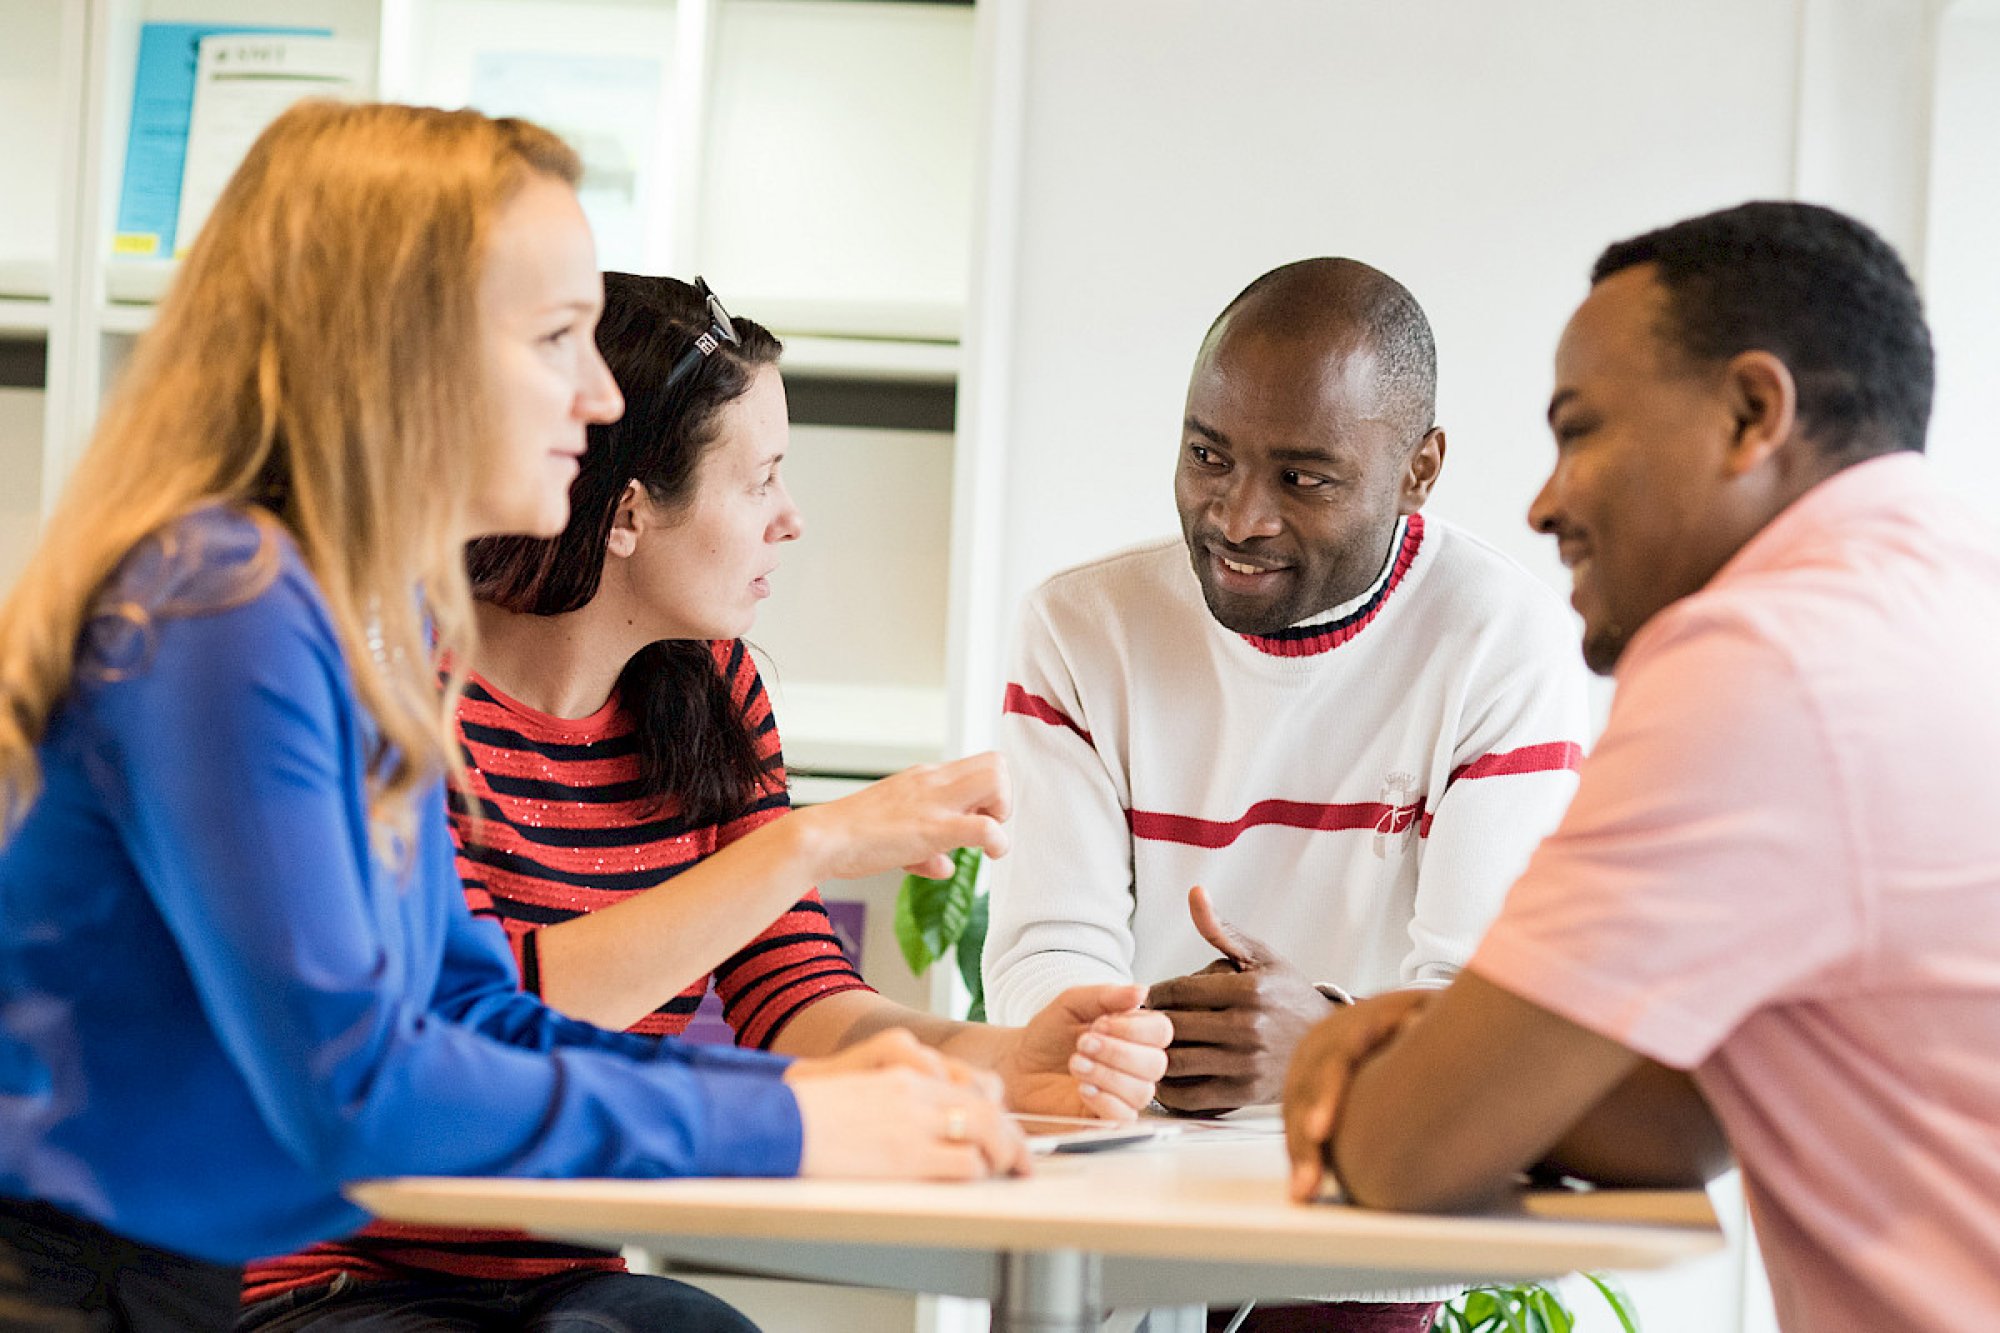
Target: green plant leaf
[970,946]
[1615,1297]
[1480,1306]
[931,914]
[1547,1304]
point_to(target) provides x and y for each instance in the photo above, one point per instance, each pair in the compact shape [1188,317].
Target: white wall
[1483,153]
[1963,265]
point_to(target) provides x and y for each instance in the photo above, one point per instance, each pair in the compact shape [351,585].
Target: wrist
[810,842]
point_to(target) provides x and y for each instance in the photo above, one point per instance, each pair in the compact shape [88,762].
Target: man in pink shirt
[1777,893]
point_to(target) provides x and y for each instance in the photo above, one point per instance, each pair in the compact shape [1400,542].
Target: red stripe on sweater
[1553,757]
[1372,815]
[1019,701]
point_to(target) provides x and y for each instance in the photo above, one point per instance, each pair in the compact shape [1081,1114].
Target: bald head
[1339,307]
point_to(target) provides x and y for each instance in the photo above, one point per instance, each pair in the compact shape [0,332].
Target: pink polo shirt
[1782,871]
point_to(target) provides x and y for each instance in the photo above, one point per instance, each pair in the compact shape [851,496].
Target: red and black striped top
[564,830]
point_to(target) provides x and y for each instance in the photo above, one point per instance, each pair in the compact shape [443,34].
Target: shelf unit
[814,160]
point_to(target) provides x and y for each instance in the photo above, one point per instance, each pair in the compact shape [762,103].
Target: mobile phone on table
[1066,1133]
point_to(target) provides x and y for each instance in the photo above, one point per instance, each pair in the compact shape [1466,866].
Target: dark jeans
[62,1274]
[1344,1317]
[586,1302]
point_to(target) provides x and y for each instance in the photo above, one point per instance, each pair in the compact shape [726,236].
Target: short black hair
[1329,296]
[1814,288]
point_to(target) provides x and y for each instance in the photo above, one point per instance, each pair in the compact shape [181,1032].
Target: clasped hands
[1236,1022]
[1250,1027]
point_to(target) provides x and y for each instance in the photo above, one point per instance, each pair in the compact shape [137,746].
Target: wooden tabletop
[1203,1198]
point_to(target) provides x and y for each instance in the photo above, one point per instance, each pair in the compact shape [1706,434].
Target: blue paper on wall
[156,145]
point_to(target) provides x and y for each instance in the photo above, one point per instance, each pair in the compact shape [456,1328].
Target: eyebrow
[1200,427]
[1561,396]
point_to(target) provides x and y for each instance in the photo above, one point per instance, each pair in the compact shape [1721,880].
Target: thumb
[1230,942]
[1089,1003]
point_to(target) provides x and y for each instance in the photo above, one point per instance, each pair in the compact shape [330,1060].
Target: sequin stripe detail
[600,826]
[502,738]
[602,869]
[760,1026]
[592,771]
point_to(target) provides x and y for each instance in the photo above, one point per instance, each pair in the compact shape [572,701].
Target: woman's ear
[624,537]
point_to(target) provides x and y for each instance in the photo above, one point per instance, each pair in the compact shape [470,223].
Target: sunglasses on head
[720,331]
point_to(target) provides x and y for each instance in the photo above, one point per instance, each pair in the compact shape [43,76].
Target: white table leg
[1048,1291]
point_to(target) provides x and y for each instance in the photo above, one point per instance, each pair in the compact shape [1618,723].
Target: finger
[1088,1004]
[1230,1029]
[952,1161]
[1201,1096]
[1000,1142]
[1205,1062]
[1128,1091]
[1316,1134]
[1001,807]
[1227,989]
[978,782]
[1109,1106]
[1142,1027]
[939,866]
[989,835]
[971,830]
[1138,1059]
[1226,939]
[981,1083]
[1202,990]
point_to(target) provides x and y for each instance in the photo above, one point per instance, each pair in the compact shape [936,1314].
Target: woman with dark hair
[628,823]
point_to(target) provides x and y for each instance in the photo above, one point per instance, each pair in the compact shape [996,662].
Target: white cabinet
[41,103]
[813,159]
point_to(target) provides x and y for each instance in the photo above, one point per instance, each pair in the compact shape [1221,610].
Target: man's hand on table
[1323,1067]
[1236,1022]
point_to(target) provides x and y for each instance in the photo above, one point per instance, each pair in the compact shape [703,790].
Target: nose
[1544,511]
[598,400]
[790,525]
[1243,510]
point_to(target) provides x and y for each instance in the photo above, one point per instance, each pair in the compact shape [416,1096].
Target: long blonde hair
[318,355]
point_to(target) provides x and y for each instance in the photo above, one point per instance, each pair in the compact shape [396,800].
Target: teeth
[1240,569]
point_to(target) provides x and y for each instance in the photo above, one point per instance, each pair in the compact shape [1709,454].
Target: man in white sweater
[1349,724]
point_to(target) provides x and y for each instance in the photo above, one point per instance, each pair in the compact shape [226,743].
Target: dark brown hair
[694,746]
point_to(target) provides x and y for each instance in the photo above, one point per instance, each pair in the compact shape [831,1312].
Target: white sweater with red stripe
[1358,793]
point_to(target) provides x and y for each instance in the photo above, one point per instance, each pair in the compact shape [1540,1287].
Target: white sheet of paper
[242,83]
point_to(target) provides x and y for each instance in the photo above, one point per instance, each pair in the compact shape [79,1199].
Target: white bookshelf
[812,158]
[23,318]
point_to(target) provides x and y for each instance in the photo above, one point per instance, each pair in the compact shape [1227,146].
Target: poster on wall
[605,107]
